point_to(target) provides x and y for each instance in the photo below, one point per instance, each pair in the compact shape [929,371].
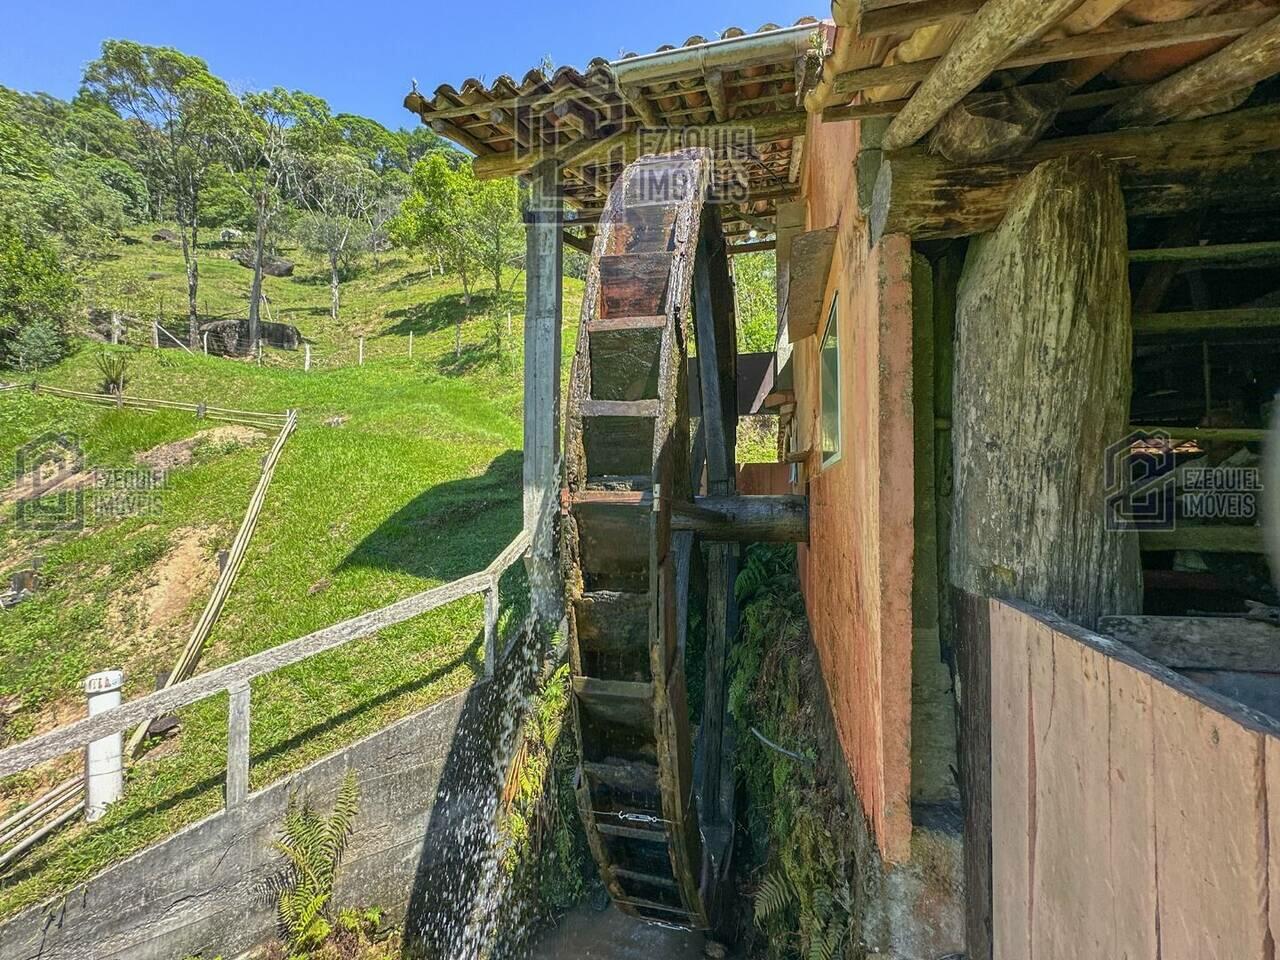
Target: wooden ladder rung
[631,775]
[620,408]
[613,324]
[619,498]
[622,873]
[590,688]
[632,833]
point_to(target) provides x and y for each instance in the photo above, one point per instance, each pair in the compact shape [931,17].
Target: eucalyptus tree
[183,110]
[268,146]
[338,189]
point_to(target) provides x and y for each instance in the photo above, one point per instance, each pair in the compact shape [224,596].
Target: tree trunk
[255,289]
[333,286]
[1042,384]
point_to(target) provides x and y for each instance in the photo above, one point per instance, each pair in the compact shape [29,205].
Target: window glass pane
[831,389]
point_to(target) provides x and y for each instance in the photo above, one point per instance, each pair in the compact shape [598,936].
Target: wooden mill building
[1028,345]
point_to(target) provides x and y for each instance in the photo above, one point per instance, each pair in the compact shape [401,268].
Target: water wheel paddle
[656,801]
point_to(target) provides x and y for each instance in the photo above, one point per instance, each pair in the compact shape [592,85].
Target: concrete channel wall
[199,893]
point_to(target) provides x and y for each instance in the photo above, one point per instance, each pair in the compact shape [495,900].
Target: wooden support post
[717,374]
[155,334]
[238,746]
[491,600]
[362,351]
[205,339]
[1029,359]
[410,344]
[542,322]
[306,358]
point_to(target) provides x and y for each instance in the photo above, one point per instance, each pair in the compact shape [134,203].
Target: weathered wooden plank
[619,408]
[1219,539]
[626,323]
[633,284]
[617,446]
[1200,643]
[989,37]
[624,703]
[1131,815]
[1211,857]
[1209,253]
[906,18]
[1204,321]
[632,833]
[1071,866]
[1250,59]
[998,776]
[811,255]
[611,621]
[491,600]
[627,775]
[1102,44]
[238,745]
[1224,161]
[780,518]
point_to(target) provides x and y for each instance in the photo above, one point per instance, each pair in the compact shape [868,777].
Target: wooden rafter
[1253,57]
[1084,46]
[1223,161]
[993,34]
[891,108]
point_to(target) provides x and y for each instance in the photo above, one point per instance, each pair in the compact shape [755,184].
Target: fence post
[410,344]
[155,334]
[206,343]
[104,759]
[238,746]
[491,628]
[306,362]
[362,351]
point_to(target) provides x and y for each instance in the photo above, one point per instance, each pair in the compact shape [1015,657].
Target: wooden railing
[234,678]
[252,418]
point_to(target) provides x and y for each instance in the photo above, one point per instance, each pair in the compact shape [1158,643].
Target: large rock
[271,266]
[165,235]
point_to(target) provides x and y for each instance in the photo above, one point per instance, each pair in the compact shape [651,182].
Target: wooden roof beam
[1253,57]
[906,18]
[449,129]
[1082,47]
[1222,161]
[998,30]
[715,93]
[641,105]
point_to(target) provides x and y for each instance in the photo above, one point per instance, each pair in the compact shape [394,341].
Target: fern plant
[313,846]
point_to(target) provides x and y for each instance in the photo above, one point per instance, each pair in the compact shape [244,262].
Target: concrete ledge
[199,891]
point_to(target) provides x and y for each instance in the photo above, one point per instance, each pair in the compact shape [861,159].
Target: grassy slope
[418,486]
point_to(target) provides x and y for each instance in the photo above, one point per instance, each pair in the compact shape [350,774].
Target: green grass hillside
[402,474]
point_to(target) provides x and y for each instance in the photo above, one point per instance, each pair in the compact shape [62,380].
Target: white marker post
[362,351]
[104,759]
[410,344]
[306,361]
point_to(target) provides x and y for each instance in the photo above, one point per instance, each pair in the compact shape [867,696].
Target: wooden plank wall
[857,568]
[1134,814]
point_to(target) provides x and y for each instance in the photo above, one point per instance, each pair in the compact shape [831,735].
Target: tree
[471,226]
[36,297]
[274,132]
[393,187]
[755,282]
[337,191]
[182,109]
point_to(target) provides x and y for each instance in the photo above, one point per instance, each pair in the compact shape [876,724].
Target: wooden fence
[1134,812]
[251,418]
[235,678]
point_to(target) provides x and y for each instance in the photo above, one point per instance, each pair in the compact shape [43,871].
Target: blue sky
[361,56]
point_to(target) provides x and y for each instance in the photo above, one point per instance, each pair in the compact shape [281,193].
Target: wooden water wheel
[655,796]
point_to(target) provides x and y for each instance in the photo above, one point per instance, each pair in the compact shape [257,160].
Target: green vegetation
[402,474]
[312,846]
[804,897]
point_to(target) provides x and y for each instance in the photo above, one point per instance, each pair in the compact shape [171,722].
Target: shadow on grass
[451,530]
[443,312]
[470,656]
